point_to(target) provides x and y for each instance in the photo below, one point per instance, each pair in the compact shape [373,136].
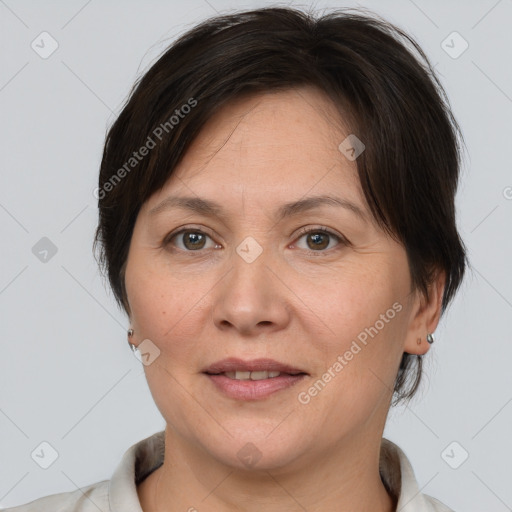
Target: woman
[277,220]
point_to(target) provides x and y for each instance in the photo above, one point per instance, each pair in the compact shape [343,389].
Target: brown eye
[317,240]
[190,240]
[193,240]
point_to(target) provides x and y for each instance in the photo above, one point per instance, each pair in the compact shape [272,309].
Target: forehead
[277,119]
[257,144]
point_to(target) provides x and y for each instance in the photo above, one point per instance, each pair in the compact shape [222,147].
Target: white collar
[147,455]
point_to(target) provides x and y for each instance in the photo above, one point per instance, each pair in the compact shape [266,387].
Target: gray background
[67,376]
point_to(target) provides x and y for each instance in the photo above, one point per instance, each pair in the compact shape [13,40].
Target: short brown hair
[392,98]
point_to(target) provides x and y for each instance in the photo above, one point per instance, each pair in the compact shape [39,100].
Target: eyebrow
[213,209]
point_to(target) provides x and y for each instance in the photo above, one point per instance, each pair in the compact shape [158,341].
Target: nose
[251,299]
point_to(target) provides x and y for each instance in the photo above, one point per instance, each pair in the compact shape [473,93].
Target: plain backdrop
[67,376]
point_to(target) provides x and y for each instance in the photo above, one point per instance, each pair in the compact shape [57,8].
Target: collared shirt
[119,494]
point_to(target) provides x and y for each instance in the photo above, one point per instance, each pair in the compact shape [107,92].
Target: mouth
[256,369]
[252,380]
[256,375]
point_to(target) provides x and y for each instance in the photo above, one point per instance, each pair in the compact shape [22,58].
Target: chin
[253,449]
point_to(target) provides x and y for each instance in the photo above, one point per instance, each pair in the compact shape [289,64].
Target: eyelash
[304,231]
[325,231]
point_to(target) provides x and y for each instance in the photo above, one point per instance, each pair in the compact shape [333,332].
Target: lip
[232,364]
[253,389]
[250,390]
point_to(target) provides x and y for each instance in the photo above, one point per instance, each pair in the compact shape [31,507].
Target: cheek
[349,300]
[362,317]
[168,308]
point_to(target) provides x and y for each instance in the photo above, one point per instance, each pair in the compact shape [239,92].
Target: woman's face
[263,271]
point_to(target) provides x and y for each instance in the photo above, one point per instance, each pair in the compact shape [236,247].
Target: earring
[430,338]
[130,335]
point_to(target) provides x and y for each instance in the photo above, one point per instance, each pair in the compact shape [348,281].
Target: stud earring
[430,338]
[130,335]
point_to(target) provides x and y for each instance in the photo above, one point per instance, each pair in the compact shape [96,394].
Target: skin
[296,303]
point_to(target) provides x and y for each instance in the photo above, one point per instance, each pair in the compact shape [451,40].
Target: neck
[345,479]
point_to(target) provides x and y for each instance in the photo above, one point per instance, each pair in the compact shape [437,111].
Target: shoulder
[435,505]
[88,499]
[119,494]
[398,476]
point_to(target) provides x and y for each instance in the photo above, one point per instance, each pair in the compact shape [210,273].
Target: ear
[425,316]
